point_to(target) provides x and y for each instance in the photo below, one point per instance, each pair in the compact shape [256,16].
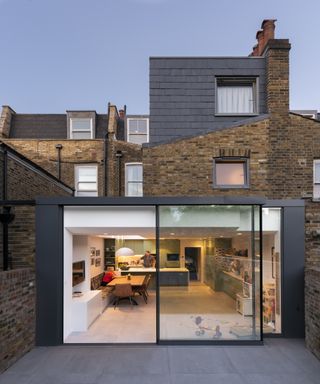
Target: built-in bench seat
[107,295]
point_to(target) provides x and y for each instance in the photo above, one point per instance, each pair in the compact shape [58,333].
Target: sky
[58,55]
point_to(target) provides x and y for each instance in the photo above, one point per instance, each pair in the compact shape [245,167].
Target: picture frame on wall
[98,261]
[92,261]
[97,252]
[92,251]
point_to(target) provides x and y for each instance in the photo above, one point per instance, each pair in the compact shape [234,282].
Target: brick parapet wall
[312,309]
[17,303]
[34,183]
[5,121]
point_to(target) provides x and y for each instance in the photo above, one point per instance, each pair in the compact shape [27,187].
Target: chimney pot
[268,27]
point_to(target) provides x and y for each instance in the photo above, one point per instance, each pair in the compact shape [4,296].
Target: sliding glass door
[209,273]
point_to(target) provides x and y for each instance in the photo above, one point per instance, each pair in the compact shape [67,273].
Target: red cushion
[108,276]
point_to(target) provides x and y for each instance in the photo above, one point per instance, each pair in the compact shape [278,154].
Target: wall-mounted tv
[78,272]
[172,256]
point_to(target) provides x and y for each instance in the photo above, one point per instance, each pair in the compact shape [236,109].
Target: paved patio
[278,361]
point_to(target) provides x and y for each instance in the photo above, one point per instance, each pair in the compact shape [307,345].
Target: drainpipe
[6,217]
[106,142]
[4,174]
[59,147]
[119,156]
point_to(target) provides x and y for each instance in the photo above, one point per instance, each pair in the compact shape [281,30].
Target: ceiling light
[124,251]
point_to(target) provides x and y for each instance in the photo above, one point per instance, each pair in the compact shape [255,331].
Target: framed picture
[98,252]
[98,261]
[92,251]
[92,260]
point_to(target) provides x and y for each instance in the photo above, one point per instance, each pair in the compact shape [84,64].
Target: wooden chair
[121,292]
[143,290]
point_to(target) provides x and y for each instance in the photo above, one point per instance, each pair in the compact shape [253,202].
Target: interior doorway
[192,260]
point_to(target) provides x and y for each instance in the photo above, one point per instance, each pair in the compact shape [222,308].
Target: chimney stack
[265,34]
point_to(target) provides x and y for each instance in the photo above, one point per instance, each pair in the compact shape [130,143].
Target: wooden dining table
[135,281]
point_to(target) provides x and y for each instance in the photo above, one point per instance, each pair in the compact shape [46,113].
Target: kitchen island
[167,276]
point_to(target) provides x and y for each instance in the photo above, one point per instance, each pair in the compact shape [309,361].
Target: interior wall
[81,252]
[67,283]
[168,246]
[98,244]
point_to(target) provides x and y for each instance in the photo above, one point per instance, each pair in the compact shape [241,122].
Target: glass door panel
[221,245]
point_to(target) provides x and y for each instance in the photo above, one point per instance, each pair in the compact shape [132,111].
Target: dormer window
[81,128]
[137,130]
[81,125]
[236,96]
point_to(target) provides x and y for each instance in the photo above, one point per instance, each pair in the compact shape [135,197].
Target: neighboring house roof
[48,126]
[36,126]
[222,126]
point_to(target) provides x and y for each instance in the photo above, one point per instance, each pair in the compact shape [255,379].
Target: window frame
[128,129]
[231,159]
[314,181]
[71,120]
[237,80]
[127,165]
[77,181]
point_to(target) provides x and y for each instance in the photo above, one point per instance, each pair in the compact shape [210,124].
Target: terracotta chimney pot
[260,38]
[268,27]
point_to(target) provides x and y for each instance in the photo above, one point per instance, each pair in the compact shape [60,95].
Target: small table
[135,281]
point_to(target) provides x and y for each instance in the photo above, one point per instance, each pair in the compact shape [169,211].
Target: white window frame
[75,130]
[90,192]
[234,160]
[234,81]
[316,183]
[132,134]
[127,165]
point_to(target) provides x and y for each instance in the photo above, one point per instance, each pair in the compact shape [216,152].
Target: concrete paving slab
[278,361]
[199,360]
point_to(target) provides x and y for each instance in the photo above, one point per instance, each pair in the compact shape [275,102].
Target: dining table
[135,281]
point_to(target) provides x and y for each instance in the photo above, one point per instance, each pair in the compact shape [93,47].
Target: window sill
[231,187]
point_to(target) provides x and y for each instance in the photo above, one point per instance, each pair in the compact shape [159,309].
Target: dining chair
[121,292]
[143,289]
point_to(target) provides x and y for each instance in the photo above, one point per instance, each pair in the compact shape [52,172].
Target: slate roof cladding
[48,126]
[182,92]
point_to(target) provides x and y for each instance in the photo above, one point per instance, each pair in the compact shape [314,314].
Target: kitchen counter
[168,276]
[146,270]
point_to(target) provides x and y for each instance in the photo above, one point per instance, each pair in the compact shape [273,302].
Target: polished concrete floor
[192,313]
[278,361]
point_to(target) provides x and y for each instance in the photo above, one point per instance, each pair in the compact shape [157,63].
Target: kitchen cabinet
[109,253]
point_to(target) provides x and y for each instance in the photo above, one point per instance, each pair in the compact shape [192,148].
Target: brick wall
[17,303]
[77,152]
[312,305]
[185,167]
[44,153]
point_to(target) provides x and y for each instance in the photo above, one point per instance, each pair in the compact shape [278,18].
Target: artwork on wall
[98,261]
[92,261]
[98,252]
[92,251]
